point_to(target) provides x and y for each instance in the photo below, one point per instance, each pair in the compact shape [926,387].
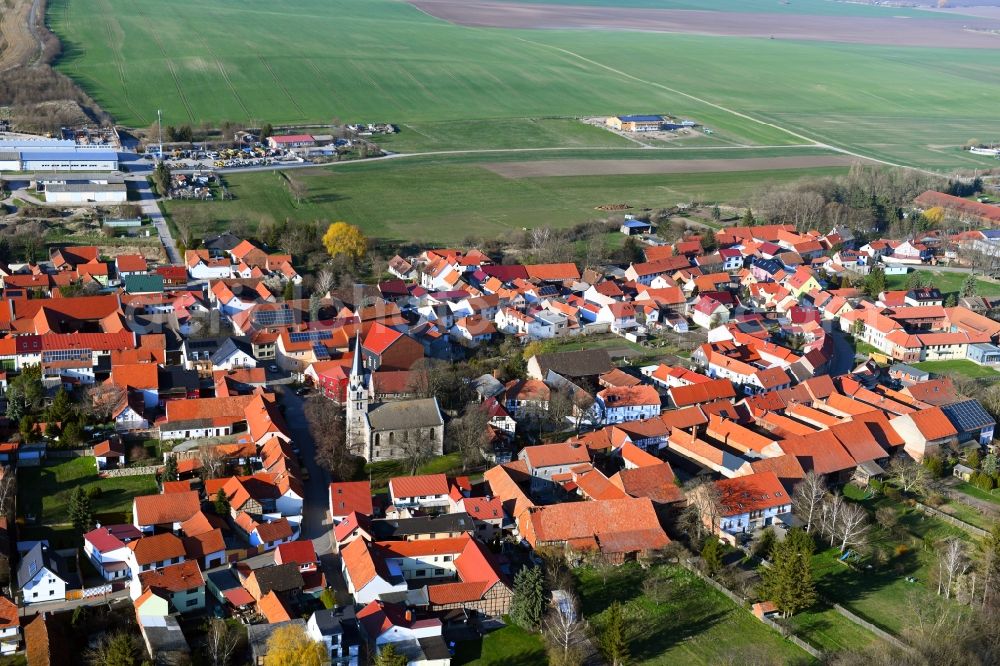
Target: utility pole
[159,130]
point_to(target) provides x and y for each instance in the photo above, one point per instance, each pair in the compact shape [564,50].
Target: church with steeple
[388,430]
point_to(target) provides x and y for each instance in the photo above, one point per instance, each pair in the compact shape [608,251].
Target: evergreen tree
[716,213]
[951,300]
[789,581]
[62,406]
[388,656]
[711,555]
[161,178]
[170,469]
[528,604]
[80,513]
[875,282]
[708,242]
[969,286]
[613,638]
[221,503]
[748,219]
[288,292]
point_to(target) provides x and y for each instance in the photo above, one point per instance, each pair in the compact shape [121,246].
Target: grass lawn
[447,199]
[961,367]
[693,624]
[978,493]
[967,514]
[878,594]
[509,645]
[44,491]
[381,472]
[947,282]
[830,631]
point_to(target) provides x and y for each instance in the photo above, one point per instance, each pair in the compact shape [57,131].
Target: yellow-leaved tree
[934,215]
[291,646]
[343,239]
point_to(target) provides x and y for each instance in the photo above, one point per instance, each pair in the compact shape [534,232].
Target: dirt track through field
[549,168]
[892,31]
[18,44]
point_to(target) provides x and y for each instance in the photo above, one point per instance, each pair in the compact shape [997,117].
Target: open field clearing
[597,167]
[809,7]
[18,46]
[887,30]
[446,199]
[385,60]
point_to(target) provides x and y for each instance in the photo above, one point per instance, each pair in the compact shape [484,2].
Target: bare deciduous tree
[704,508]
[909,474]
[212,462]
[101,400]
[564,630]
[952,563]
[8,487]
[325,281]
[470,434]
[852,526]
[808,497]
[220,642]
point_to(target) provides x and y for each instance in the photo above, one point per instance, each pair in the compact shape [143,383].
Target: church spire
[356,369]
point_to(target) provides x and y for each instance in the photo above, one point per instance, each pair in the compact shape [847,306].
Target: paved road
[315,524]
[56,606]
[843,354]
[147,200]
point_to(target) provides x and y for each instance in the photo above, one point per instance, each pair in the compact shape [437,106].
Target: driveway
[147,201]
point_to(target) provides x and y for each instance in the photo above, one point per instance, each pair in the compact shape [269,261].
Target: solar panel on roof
[310,336]
[322,353]
[273,317]
[968,415]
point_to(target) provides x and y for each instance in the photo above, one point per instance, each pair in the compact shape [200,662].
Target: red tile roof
[299,552]
[350,496]
[417,486]
[156,548]
[162,509]
[174,578]
[613,526]
[549,455]
[755,492]
[705,392]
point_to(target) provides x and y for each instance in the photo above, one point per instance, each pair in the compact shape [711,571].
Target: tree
[708,242]
[326,425]
[25,393]
[345,240]
[911,476]
[8,489]
[716,213]
[988,563]
[613,637]
[711,555]
[470,434]
[748,219]
[788,582]
[886,517]
[952,562]
[969,286]
[852,528]
[80,512]
[118,649]
[221,642]
[704,508]
[72,434]
[170,468]
[808,497]
[291,646]
[221,503]
[388,656]
[161,178]
[61,407]
[951,300]
[527,605]
[298,189]
[212,462]
[266,131]
[935,466]
[564,631]
[874,283]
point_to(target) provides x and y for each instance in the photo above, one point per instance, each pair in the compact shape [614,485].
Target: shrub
[901,549]
[892,492]
[935,499]
[983,481]
[328,599]
[93,492]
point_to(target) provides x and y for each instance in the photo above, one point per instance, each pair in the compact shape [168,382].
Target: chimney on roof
[409,616]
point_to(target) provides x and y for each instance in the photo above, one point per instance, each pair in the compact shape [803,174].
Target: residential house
[181,584]
[618,404]
[746,504]
[38,576]
[924,432]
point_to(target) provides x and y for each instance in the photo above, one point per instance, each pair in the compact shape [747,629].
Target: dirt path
[22,45]
[598,167]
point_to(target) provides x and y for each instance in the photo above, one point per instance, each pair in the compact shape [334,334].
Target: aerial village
[254,462]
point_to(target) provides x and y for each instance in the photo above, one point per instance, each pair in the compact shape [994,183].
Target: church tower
[357,404]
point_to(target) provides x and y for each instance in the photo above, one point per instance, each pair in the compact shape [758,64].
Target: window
[192,602]
[34,595]
[439,572]
[52,593]
[420,573]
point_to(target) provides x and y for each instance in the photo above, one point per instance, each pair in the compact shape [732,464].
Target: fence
[742,603]
[881,633]
[130,471]
[69,453]
[952,520]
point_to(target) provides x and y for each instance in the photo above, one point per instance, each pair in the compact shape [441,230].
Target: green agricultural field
[318,60]
[959,367]
[447,199]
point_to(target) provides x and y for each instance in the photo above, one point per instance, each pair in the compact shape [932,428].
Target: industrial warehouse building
[44,154]
[82,188]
